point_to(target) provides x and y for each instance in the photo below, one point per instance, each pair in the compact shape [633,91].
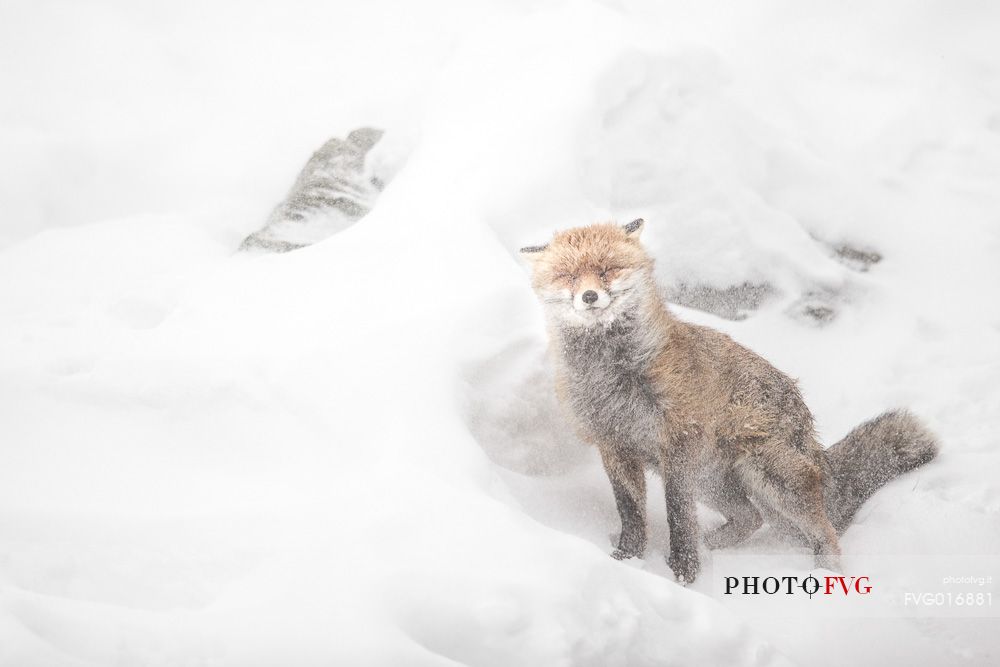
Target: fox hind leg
[792,486]
[730,499]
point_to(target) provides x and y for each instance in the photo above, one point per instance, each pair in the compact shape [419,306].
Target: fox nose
[589,297]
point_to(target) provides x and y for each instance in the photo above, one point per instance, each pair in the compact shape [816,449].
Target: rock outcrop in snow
[335,189]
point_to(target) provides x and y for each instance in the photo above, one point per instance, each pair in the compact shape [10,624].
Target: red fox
[719,423]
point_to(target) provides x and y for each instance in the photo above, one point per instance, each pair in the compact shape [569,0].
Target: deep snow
[350,453]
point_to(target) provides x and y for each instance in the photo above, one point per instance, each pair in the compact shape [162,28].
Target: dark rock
[856,258]
[817,308]
[735,302]
[333,191]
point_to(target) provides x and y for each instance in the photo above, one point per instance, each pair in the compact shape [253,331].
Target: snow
[350,453]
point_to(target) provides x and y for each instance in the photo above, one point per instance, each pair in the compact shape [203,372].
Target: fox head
[591,275]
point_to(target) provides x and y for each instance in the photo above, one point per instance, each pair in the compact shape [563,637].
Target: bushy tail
[869,456]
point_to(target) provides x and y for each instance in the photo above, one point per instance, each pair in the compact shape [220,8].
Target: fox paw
[624,554]
[629,545]
[830,562]
[717,539]
[685,567]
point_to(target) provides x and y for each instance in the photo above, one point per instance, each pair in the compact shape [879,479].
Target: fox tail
[869,456]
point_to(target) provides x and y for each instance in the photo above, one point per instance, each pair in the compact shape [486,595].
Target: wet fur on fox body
[715,420]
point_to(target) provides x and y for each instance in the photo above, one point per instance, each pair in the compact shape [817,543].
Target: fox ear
[634,228]
[532,252]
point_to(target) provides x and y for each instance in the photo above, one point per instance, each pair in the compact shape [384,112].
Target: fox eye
[565,276]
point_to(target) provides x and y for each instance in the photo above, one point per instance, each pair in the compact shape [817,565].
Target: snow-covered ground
[350,454]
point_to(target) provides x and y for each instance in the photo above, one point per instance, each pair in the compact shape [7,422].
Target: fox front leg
[628,481]
[632,540]
[683,522]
